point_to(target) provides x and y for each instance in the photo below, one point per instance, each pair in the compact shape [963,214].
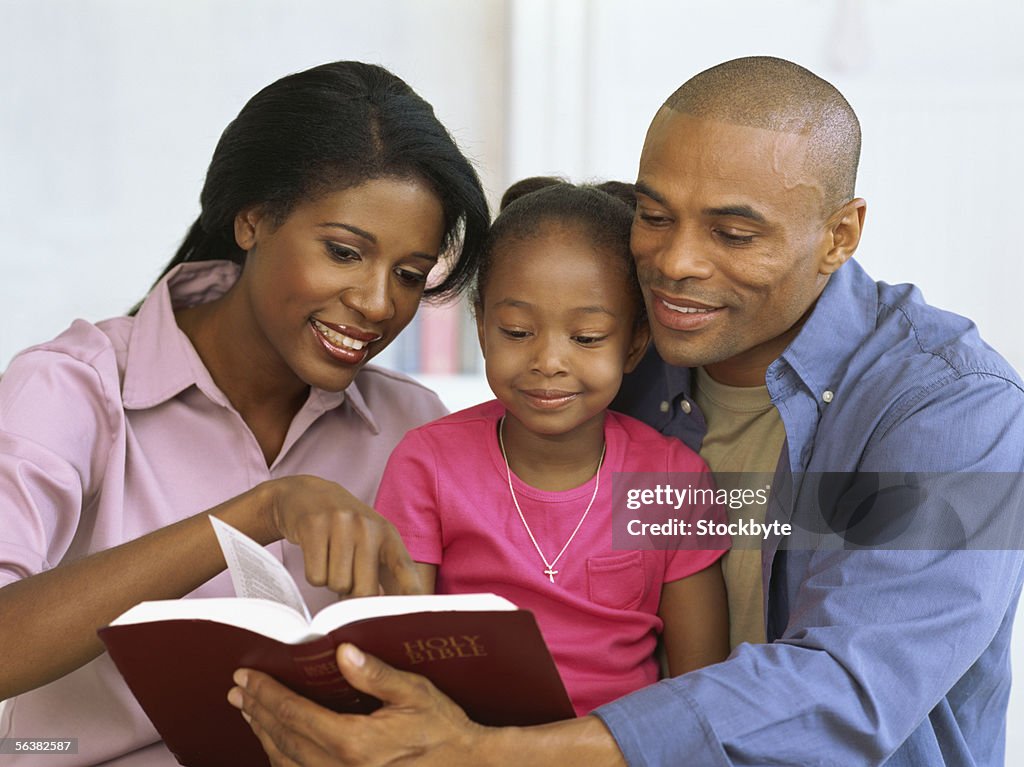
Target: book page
[260,616]
[255,572]
[362,608]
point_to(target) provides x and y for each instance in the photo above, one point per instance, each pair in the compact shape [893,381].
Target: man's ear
[637,347]
[844,230]
[246,222]
[478,315]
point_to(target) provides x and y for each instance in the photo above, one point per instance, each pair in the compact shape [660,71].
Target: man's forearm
[583,742]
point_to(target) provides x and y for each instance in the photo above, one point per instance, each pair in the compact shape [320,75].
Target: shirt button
[827,396]
[685,406]
[664,407]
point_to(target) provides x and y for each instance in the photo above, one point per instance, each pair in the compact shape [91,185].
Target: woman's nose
[371,297]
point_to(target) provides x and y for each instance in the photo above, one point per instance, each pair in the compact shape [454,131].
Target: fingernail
[235,697]
[353,656]
[241,677]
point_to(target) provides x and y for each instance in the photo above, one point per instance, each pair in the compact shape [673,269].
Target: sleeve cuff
[662,725]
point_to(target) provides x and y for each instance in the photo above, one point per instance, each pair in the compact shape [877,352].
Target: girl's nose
[549,358]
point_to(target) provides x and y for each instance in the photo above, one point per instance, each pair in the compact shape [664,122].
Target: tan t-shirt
[742,445]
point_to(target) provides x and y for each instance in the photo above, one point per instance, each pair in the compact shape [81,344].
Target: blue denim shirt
[875,656]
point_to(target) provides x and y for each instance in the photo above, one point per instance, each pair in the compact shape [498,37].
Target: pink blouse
[113,430]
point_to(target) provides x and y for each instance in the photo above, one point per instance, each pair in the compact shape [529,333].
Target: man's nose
[683,254]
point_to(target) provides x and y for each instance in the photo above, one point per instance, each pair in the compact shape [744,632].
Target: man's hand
[417,725]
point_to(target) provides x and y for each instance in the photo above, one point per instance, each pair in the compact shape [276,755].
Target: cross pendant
[550,573]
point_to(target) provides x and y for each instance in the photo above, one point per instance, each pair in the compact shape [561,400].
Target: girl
[515,495]
[239,389]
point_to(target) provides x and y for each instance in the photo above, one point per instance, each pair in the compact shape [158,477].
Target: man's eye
[735,239]
[653,219]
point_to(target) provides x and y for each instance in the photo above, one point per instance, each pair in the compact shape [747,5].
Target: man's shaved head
[778,95]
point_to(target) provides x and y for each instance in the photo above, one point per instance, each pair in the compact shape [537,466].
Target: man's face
[730,241]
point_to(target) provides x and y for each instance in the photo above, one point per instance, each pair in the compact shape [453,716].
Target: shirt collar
[161,362]
[842,317]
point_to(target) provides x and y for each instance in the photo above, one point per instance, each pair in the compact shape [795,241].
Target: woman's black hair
[330,128]
[603,212]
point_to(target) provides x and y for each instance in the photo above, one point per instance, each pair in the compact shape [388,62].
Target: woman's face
[332,285]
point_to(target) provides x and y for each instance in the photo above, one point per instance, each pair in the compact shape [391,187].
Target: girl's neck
[553,462]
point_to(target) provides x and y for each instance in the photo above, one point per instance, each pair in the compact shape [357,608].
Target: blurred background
[110,109]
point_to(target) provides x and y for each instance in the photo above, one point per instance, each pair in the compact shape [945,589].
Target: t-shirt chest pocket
[617,581]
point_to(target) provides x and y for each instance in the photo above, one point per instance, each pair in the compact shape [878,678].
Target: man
[746,223]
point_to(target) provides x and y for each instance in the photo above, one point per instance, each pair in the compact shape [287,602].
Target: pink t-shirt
[114,430]
[446,490]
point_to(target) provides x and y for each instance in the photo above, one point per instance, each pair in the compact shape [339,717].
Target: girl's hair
[602,212]
[330,128]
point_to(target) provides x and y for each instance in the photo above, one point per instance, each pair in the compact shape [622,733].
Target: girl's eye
[514,333]
[588,340]
[735,239]
[341,252]
[411,277]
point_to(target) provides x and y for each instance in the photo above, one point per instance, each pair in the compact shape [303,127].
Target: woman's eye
[588,340]
[341,252]
[411,277]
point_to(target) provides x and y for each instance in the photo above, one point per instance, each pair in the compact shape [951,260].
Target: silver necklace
[549,570]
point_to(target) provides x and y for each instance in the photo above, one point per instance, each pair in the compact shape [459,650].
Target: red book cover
[492,662]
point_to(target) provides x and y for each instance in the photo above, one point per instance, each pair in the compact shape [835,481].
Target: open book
[177,656]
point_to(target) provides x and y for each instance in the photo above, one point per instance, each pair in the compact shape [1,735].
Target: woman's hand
[346,545]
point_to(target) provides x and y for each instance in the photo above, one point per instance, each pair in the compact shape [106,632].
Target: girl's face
[557,328]
[332,285]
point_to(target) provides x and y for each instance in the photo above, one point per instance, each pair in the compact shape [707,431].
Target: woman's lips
[345,344]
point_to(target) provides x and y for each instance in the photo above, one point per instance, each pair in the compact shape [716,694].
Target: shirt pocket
[617,581]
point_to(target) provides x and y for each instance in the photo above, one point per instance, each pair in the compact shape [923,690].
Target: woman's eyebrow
[354,229]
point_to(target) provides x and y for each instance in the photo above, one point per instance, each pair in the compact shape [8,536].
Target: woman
[237,390]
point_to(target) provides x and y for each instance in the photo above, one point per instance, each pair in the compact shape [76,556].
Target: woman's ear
[637,347]
[246,222]
[844,229]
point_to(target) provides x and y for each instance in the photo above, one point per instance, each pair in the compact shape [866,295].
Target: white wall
[109,110]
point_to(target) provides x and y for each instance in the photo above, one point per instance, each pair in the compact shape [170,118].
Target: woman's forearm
[50,619]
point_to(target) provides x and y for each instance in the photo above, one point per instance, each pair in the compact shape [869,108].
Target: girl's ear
[637,347]
[478,315]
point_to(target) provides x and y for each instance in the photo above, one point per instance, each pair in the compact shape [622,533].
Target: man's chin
[682,352]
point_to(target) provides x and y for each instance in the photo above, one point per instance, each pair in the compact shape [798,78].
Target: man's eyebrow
[641,188]
[354,229]
[743,211]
